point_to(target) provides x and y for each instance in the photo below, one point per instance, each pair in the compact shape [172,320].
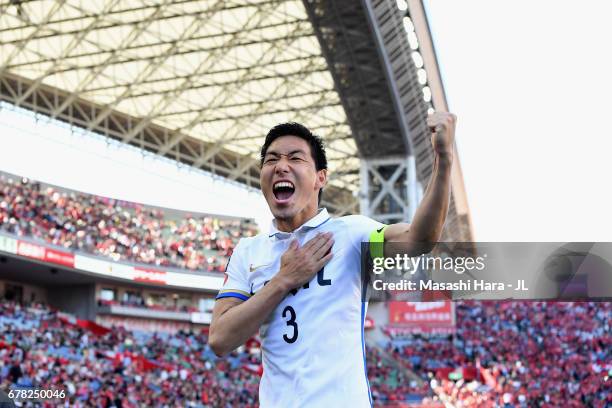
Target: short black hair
[317,148]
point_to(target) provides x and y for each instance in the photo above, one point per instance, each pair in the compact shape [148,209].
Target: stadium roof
[223,72]
[202,81]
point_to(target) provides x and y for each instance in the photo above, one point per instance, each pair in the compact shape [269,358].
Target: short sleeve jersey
[313,347]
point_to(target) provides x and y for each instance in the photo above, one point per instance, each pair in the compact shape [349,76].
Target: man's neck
[291,224]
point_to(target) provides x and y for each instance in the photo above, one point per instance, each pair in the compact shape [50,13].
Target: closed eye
[294,158]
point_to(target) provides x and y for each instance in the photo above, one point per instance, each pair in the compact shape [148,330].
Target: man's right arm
[234,321]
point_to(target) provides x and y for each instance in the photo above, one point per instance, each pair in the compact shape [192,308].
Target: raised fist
[442,126]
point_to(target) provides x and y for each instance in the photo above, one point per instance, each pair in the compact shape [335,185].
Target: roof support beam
[70,47]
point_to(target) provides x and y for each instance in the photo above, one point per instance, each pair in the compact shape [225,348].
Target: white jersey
[313,347]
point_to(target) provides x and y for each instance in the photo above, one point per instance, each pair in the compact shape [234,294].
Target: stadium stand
[119,230]
[131,369]
[519,354]
[502,354]
[120,368]
[531,354]
[390,382]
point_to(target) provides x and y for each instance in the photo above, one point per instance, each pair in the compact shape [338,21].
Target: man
[300,284]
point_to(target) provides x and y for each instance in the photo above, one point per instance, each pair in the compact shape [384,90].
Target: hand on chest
[324,277]
[266,265]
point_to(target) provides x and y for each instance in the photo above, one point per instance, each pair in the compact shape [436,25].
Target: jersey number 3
[288,311]
[291,323]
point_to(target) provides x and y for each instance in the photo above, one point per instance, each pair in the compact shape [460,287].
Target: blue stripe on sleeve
[232,294]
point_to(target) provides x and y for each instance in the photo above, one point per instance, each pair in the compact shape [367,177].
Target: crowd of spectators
[536,354]
[390,382]
[121,368]
[133,369]
[119,230]
[539,354]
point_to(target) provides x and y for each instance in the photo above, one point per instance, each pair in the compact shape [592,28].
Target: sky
[529,81]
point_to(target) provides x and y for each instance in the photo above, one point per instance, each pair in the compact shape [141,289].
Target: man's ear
[321,178]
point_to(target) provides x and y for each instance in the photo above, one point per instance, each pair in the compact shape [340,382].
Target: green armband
[377,240]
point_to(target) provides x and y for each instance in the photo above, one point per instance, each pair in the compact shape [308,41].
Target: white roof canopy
[223,72]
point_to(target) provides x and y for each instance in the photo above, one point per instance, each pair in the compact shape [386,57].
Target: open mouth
[283,190]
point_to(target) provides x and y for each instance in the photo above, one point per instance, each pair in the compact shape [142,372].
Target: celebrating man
[300,284]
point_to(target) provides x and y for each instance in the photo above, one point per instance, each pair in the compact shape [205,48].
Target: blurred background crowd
[119,230]
[502,354]
[536,354]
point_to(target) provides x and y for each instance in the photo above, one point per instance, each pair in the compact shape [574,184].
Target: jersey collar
[321,218]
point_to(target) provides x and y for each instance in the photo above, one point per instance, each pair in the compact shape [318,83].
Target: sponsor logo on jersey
[254,268]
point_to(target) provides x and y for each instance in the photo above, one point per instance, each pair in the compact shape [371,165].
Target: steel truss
[225,163]
[202,81]
[372,62]
[197,81]
[390,192]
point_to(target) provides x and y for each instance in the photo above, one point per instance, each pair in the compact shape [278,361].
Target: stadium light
[422,76]
[426,94]
[413,41]
[417,58]
[408,24]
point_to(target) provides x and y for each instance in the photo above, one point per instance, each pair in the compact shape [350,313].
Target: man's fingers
[317,242]
[325,260]
[293,245]
[323,249]
[439,121]
[312,241]
[326,242]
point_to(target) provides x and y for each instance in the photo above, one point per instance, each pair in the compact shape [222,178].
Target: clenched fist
[442,126]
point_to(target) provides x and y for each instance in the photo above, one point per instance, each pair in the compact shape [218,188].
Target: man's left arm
[426,228]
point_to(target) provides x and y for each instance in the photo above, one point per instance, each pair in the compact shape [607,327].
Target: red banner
[422,317]
[149,275]
[58,257]
[31,250]
[45,254]
[93,327]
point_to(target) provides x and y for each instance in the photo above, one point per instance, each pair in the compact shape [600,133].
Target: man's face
[289,179]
